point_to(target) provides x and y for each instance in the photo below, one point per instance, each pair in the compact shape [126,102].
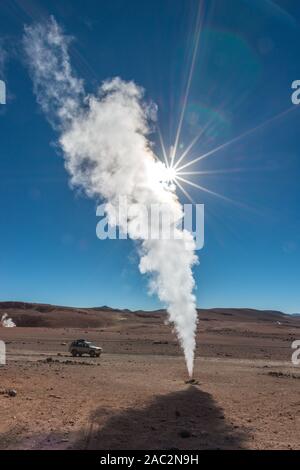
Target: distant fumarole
[2,92]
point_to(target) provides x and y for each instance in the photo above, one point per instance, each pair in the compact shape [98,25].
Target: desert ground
[134,396]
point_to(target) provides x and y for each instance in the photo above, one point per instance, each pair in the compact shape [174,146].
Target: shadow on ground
[189,419]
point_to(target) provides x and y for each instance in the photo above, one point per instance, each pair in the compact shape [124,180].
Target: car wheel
[92,354]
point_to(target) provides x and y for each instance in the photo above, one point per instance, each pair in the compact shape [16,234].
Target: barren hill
[54,316]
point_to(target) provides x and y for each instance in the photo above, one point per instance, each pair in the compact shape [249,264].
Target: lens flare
[171,174]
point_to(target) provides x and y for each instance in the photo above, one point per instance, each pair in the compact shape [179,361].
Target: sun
[171,174]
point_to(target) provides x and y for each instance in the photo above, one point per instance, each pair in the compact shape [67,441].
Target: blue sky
[246,62]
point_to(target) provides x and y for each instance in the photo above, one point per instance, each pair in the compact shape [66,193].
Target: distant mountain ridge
[28,314]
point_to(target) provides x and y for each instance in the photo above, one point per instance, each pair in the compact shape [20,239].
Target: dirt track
[134,396]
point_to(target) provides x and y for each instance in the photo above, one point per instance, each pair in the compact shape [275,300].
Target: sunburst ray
[235,139]
[185,192]
[189,81]
[163,148]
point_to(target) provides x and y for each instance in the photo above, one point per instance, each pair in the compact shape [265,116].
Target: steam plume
[106,149]
[7,322]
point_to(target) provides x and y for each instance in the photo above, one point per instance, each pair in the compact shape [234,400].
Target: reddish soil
[135,396]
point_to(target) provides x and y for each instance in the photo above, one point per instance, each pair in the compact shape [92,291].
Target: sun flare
[171,174]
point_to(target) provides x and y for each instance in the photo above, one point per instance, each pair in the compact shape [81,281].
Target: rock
[184,434]
[192,382]
[12,393]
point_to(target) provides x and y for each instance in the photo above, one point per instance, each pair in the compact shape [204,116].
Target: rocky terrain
[135,396]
